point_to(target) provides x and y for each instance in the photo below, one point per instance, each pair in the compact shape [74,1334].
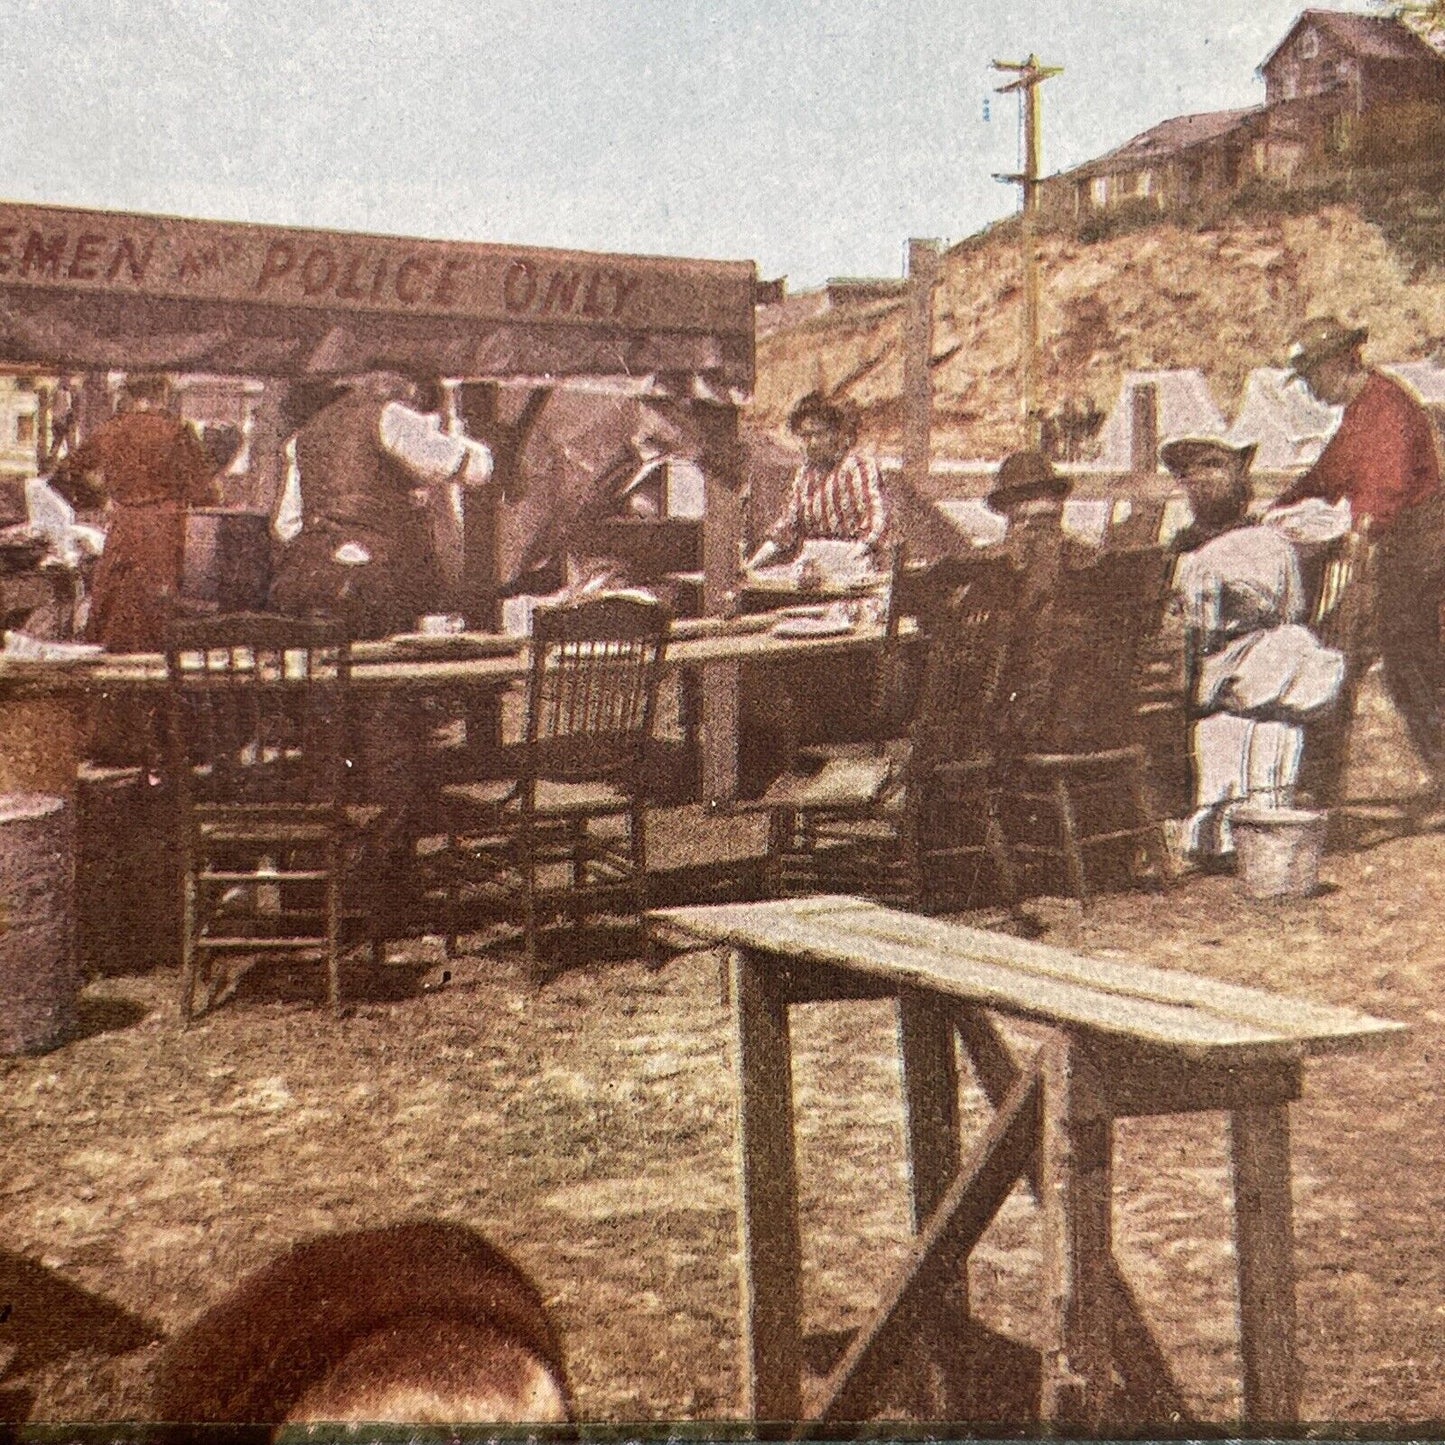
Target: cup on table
[441,624]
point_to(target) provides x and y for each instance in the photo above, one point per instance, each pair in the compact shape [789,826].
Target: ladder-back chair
[917,831]
[256,726]
[1076,778]
[567,831]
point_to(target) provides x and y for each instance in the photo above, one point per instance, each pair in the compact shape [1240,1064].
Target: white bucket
[1279,850]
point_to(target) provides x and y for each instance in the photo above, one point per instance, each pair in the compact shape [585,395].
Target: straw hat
[1024,477]
[1179,452]
[1321,338]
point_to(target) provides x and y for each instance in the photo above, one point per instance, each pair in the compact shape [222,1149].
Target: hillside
[1223,299]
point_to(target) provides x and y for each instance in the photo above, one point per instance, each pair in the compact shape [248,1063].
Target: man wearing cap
[837,493]
[1255,674]
[1384,459]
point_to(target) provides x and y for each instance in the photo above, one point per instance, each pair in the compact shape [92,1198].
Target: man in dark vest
[375,470]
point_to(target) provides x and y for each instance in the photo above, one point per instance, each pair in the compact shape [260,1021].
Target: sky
[811,136]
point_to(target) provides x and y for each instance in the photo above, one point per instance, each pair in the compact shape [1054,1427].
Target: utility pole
[1031,75]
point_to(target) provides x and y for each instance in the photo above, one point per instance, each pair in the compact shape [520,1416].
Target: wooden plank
[973,1199]
[1149,1383]
[1076,1149]
[994,986]
[993,1065]
[1264,1245]
[1134,1000]
[1296,1018]
[771,1249]
[1145,1081]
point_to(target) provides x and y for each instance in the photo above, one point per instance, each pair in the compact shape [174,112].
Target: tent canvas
[1288,426]
[1185,408]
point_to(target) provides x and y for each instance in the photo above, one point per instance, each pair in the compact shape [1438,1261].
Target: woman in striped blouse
[837,493]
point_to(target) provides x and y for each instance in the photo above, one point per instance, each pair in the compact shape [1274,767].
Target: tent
[1181,406]
[98,290]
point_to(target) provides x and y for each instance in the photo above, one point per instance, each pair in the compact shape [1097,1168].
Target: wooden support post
[923,269]
[930,1100]
[771,1249]
[1078,1252]
[1264,1244]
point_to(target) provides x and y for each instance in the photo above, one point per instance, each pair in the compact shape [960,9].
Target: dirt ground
[587,1126]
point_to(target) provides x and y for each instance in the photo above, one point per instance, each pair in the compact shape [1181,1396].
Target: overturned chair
[256,759]
[565,832]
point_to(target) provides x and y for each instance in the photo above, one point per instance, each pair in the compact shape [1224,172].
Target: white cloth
[1281,672]
[286,518]
[1236,759]
[1311,522]
[417,441]
[1241,581]
[1263,674]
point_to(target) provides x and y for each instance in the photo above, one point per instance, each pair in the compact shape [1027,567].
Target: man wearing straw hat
[1256,673]
[1383,459]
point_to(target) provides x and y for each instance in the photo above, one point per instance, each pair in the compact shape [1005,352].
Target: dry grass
[587,1126]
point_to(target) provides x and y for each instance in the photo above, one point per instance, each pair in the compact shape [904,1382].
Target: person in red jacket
[1384,459]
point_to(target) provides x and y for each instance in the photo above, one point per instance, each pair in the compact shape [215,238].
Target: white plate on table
[829,624]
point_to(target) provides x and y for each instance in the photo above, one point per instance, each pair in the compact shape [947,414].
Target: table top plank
[692,644]
[1147,1005]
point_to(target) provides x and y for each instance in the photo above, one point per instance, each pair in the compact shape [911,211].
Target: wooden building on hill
[1343,93]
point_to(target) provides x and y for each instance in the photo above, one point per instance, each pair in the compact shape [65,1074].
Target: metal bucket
[227,558]
[1279,850]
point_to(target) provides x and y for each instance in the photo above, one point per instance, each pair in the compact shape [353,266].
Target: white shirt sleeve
[286,519]
[416,440]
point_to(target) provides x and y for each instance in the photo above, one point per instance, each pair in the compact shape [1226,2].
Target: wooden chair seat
[841,781]
[592,692]
[912,820]
[553,799]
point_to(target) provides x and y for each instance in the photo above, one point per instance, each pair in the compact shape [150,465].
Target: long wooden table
[1128,1040]
[40,734]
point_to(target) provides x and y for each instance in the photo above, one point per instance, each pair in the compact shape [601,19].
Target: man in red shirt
[1384,459]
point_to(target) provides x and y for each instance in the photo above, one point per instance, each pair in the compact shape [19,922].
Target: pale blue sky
[813,136]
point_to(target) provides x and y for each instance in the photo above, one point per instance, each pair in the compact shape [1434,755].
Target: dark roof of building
[1168,138]
[1371,37]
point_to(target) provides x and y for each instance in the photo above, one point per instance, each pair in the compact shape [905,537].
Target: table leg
[1077,1169]
[721,682]
[930,1099]
[1264,1244]
[771,1250]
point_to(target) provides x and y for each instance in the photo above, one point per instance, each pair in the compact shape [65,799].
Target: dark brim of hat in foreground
[1002,497]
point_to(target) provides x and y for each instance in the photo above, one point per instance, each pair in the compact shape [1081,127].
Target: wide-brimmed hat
[1179,452]
[1025,477]
[1321,338]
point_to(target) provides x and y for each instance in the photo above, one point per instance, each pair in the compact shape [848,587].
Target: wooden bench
[1129,1040]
